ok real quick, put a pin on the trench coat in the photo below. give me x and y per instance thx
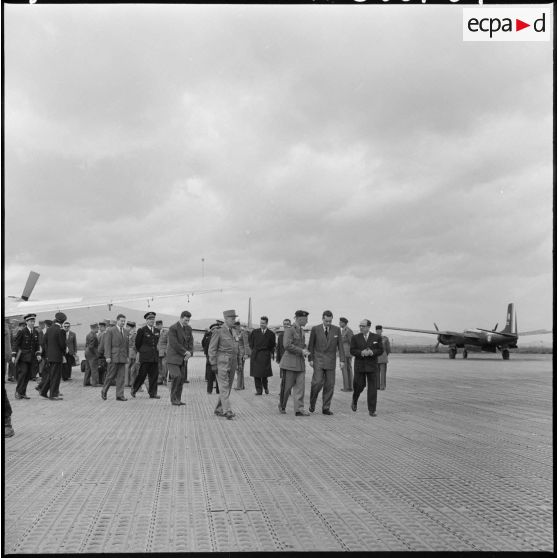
(262, 346)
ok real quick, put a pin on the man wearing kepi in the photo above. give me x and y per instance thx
(146, 345)
(293, 364)
(116, 353)
(366, 347)
(325, 341)
(180, 348)
(223, 356)
(26, 354)
(55, 349)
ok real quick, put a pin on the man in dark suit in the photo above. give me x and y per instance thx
(262, 345)
(146, 345)
(55, 349)
(279, 350)
(26, 354)
(91, 376)
(366, 347)
(71, 351)
(210, 376)
(324, 344)
(116, 354)
(180, 348)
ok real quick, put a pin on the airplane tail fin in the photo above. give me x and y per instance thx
(510, 320)
(30, 285)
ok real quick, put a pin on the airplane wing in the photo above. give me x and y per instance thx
(536, 332)
(430, 331)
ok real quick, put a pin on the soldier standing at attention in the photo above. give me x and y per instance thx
(147, 339)
(294, 365)
(26, 354)
(223, 356)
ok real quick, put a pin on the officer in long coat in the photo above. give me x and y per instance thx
(262, 346)
(26, 354)
(147, 339)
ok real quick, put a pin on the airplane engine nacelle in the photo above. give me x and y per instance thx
(444, 339)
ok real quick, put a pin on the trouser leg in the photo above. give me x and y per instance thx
(152, 374)
(358, 385)
(258, 385)
(372, 393)
(110, 376)
(329, 386)
(177, 374)
(6, 408)
(23, 375)
(298, 391)
(316, 385)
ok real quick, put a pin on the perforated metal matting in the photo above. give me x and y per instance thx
(459, 458)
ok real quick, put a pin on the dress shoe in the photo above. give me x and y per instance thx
(103, 395)
(25, 397)
(181, 403)
(258, 393)
(17, 395)
(219, 413)
(8, 432)
(43, 396)
(311, 408)
(281, 409)
(266, 391)
(373, 414)
(133, 394)
(177, 404)
(353, 406)
(327, 412)
(56, 398)
(121, 399)
(229, 415)
(302, 414)
(154, 397)
(186, 381)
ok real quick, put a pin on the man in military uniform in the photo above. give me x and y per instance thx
(294, 365)
(242, 355)
(162, 346)
(91, 376)
(26, 353)
(101, 350)
(347, 370)
(210, 376)
(223, 356)
(280, 350)
(147, 339)
(131, 368)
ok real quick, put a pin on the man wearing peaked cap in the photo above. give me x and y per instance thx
(55, 349)
(146, 341)
(223, 354)
(26, 354)
(91, 376)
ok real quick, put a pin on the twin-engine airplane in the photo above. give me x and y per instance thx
(19, 306)
(488, 340)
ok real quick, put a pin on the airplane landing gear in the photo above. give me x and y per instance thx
(506, 354)
(465, 354)
(452, 352)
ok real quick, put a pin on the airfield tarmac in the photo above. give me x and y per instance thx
(459, 458)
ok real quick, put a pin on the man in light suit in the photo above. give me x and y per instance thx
(116, 353)
(294, 365)
(324, 344)
(180, 348)
(366, 347)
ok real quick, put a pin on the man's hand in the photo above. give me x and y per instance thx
(13, 360)
(214, 368)
(187, 355)
(39, 358)
(108, 360)
(305, 352)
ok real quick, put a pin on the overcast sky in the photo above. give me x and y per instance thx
(358, 158)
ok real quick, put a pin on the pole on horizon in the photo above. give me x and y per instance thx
(250, 313)
(203, 270)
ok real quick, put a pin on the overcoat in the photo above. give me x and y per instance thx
(262, 346)
(55, 343)
(180, 340)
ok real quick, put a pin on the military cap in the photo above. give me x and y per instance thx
(379, 327)
(301, 313)
(219, 322)
(230, 314)
(48, 323)
(29, 317)
(131, 324)
(60, 317)
(159, 322)
(212, 326)
(344, 320)
(102, 322)
(148, 315)
(93, 325)
(22, 324)
(41, 322)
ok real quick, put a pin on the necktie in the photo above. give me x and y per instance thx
(327, 332)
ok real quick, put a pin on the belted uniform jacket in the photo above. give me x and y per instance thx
(294, 342)
(91, 345)
(180, 340)
(225, 346)
(146, 344)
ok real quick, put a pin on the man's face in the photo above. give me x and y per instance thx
(286, 324)
(229, 321)
(30, 324)
(379, 331)
(364, 327)
(263, 324)
(66, 327)
(185, 320)
(103, 327)
(150, 321)
(342, 324)
(303, 320)
(327, 320)
(121, 321)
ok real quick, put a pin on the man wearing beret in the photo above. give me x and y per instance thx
(26, 354)
(91, 376)
(223, 356)
(147, 339)
(180, 348)
(294, 365)
(55, 349)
